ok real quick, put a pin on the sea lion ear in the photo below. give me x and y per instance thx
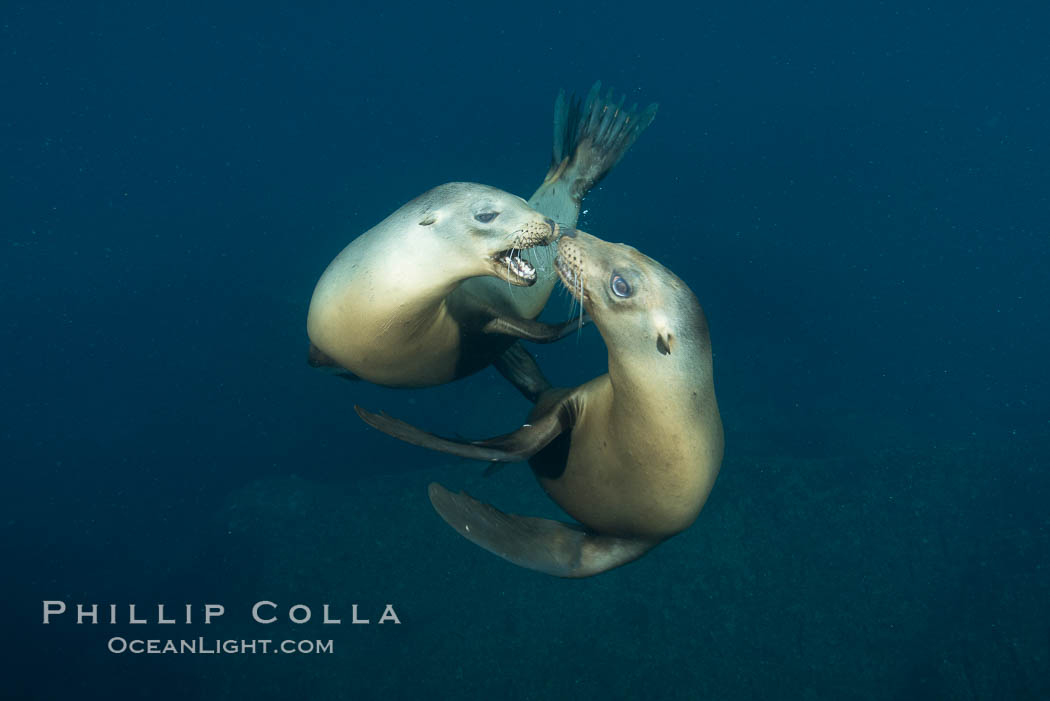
(664, 337)
(429, 219)
(664, 341)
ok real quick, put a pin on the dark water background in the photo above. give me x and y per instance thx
(856, 192)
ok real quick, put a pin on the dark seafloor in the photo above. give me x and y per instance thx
(856, 192)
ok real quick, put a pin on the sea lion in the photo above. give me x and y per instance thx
(423, 297)
(631, 455)
(384, 309)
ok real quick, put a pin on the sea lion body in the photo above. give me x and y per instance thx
(631, 455)
(630, 472)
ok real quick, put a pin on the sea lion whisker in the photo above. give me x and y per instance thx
(579, 327)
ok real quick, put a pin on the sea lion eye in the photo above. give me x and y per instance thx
(486, 217)
(620, 287)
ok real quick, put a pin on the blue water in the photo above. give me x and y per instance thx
(857, 193)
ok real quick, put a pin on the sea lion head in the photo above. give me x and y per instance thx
(489, 226)
(632, 299)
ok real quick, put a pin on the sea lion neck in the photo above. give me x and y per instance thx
(643, 375)
(431, 281)
(632, 379)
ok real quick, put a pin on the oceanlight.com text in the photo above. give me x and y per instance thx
(214, 646)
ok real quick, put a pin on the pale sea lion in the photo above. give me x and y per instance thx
(631, 455)
(384, 309)
(423, 297)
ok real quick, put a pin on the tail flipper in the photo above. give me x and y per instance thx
(551, 547)
(590, 138)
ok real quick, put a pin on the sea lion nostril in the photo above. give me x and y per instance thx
(551, 224)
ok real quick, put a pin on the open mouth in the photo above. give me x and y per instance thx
(519, 271)
(509, 263)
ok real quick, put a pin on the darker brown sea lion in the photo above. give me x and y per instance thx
(631, 455)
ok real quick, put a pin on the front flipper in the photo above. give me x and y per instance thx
(520, 369)
(535, 331)
(317, 358)
(512, 447)
(551, 547)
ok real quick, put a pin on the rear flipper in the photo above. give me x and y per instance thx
(521, 370)
(551, 547)
(590, 138)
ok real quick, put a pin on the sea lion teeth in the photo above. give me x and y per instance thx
(521, 267)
